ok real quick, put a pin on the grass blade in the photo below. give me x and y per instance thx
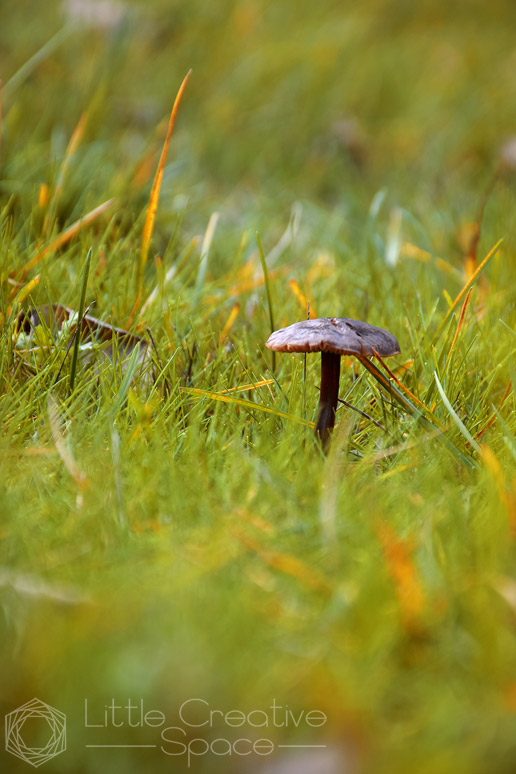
(67, 235)
(268, 289)
(408, 406)
(466, 287)
(455, 418)
(79, 319)
(225, 398)
(205, 251)
(124, 387)
(459, 325)
(36, 59)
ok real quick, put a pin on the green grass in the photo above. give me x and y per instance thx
(163, 543)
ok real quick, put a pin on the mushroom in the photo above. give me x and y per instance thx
(332, 337)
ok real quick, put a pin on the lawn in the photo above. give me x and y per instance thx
(183, 572)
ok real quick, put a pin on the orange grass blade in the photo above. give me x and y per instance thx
(470, 261)
(506, 496)
(287, 564)
(403, 572)
(459, 326)
(253, 284)
(466, 287)
(408, 406)
(256, 521)
(491, 462)
(403, 367)
(68, 234)
(229, 322)
(143, 170)
(413, 251)
(70, 151)
(156, 186)
(384, 381)
(400, 384)
(43, 196)
(303, 300)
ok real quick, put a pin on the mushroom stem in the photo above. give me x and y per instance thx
(330, 373)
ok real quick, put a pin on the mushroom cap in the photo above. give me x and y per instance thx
(340, 335)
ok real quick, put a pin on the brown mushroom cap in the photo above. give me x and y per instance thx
(339, 335)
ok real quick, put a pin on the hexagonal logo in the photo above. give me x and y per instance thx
(51, 726)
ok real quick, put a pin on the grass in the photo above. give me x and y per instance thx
(170, 529)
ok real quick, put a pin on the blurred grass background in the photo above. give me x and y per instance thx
(212, 551)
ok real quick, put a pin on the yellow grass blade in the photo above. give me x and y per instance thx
(68, 234)
(251, 386)
(466, 287)
(247, 404)
(27, 290)
(229, 322)
(22, 294)
(303, 300)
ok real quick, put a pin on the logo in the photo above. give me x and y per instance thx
(16, 726)
(202, 730)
